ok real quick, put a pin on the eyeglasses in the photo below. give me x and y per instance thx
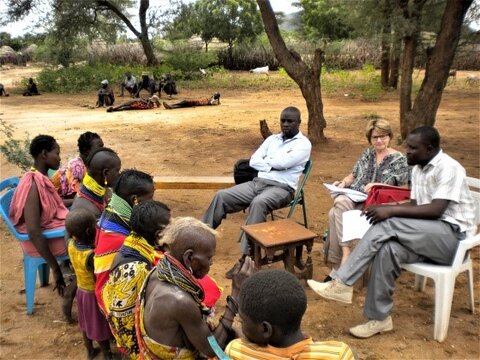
(381, 137)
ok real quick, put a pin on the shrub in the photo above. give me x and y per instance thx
(16, 152)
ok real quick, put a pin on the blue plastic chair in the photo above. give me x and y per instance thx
(9, 183)
(30, 264)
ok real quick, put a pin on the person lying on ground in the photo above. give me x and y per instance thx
(171, 314)
(213, 100)
(105, 95)
(271, 307)
(429, 228)
(137, 104)
(280, 162)
(31, 88)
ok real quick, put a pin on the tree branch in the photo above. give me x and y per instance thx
(111, 6)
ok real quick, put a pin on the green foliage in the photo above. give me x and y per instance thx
(80, 78)
(16, 152)
(186, 60)
(325, 19)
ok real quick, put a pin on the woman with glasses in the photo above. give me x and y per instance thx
(378, 164)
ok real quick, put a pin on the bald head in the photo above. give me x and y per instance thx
(103, 164)
(80, 224)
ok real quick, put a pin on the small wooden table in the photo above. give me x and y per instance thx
(281, 235)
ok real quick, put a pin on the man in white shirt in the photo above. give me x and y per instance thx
(280, 161)
(130, 84)
(439, 215)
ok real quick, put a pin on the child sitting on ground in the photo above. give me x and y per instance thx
(80, 224)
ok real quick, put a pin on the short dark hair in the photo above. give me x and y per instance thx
(294, 110)
(145, 216)
(428, 134)
(84, 141)
(40, 143)
(79, 220)
(275, 296)
(96, 151)
(132, 182)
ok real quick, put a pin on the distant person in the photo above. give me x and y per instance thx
(146, 83)
(137, 104)
(3, 92)
(31, 88)
(213, 100)
(271, 306)
(105, 95)
(130, 84)
(168, 85)
(80, 223)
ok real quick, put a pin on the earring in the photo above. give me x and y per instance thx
(190, 269)
(106, 182)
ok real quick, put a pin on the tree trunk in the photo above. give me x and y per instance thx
(440, 59)
(408, 60)
(307, 77)
(141, 35)
(395, 60)
(386, 48)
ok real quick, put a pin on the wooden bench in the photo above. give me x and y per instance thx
(193, 182)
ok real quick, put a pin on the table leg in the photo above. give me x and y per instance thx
(290, 259)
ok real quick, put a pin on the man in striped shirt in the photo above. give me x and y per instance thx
(271, 306)
(439, 215)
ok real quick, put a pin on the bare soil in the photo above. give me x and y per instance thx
(208, 141)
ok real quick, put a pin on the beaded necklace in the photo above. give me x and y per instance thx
(93, 192)
(135, 246)
(116, 217)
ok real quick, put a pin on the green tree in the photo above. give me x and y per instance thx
(326, 19)
(78, 16)
(306, 75)
(234, 21)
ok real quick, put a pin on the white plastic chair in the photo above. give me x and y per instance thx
(444, 276)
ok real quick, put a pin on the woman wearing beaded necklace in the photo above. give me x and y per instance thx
(131, 188)
(68, 178)
(36, 206)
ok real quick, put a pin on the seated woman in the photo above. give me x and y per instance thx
(378, 164)
(132, 187)
(68, 178)
(214, 100)
(130, 267)
(36, 206)
(31, 88)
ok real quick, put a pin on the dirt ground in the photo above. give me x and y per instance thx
(208, 141)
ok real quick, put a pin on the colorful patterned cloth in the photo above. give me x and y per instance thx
(393, 170)
(68, 178)
(135, 258)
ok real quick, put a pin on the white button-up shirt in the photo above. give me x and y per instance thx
(444, 178)
(282, 161)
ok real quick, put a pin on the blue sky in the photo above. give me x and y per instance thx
(21, 27)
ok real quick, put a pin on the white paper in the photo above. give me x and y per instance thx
(354, 195)
(355, 225)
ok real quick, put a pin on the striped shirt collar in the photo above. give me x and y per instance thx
(434, 161)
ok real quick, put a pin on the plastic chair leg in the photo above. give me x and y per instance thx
(420, 282)
(470, 288)
(44, 272)
(444, 287)
(30, 273)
